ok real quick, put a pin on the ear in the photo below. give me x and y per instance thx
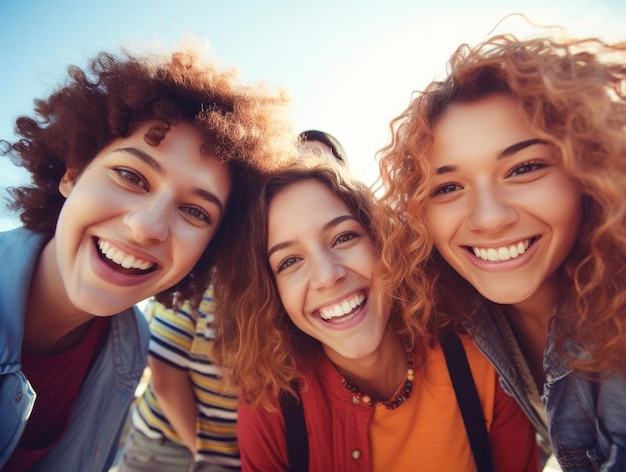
(68, 181)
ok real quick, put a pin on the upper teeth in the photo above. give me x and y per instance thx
(502, 253)
(342, 308)
(127, 261)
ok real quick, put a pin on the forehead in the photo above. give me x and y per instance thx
(489, 124)
(304, 204)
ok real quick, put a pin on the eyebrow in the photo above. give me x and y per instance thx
(506, 152)
(144, 156)
(330, 224)
(153, 164)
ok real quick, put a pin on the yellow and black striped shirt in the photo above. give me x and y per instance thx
(183, 339)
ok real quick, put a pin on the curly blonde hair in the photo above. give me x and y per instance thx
(248, 126)
(573, 93)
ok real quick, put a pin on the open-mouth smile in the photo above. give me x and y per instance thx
(503, 253)
(122, 261)
(345, 307)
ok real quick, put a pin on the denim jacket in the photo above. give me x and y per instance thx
(92, 435)
(586, 419)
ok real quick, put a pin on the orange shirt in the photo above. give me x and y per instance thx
(425, 433)
(430, 418)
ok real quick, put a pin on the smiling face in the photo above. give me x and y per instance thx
(137, 219)
(322, 259)
(503, 212)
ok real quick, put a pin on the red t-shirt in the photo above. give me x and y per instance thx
(57, 380)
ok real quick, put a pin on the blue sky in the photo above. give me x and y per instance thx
(349, 65)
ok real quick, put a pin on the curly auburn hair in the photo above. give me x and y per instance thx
(573, 93)
(261, 348)
(247, 126)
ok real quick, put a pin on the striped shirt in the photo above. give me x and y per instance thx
(183, 339)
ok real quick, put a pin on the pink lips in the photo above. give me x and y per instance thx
(502, 266)
(349, 320)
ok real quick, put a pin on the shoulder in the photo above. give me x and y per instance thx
(475, 358)
(261, 437)
(28, 241)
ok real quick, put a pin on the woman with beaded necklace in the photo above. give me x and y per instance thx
(306, 319)
(509, 176)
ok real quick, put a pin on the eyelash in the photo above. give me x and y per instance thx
(125, 173)
(203, 215)
(346, 234)
(450, 187)
(136, 179)
(284, 264)
(340, 239)
(441, 189)
(534, 165)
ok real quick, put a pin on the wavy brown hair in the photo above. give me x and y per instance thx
(247, 126)
(573, 93)
(255, 338)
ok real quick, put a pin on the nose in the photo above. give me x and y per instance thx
(491, 211)
(326, 270)
(149, 221)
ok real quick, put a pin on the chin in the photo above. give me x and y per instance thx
(504, 298)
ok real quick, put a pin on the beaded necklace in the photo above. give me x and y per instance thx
(399, 399)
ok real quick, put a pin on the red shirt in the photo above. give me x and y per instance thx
(57, 380)
(425, 433)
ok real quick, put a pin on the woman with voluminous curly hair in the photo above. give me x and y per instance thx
(135, 162)
(506, 181)
(303, 328)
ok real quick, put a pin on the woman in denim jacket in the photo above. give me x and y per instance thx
(139, 166)
(507, 180)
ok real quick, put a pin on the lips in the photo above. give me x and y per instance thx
(123, 261)
(345, 307)
(502, 253)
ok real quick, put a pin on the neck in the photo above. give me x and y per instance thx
(380, 373)
(52, 323)
(530, 321)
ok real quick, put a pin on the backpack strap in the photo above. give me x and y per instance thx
(467, 398)
(464, 389)
(295, 430)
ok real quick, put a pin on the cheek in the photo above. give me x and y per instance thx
(287, 289)
(438, 233)
(568, 221)
(566, 211)
(292, 294)
(188, 249)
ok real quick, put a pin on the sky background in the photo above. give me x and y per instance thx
(350, 66)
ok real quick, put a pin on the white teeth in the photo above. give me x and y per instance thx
(342, 308)
(127, 261)
(504, 254)
(501, 253)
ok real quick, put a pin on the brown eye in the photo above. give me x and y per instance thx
(198, 213)
(526, 167)
(287, 262)
(445, 188)
(131, 177)
(345, 237)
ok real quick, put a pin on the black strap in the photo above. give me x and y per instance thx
(467, 398)
(295, 431)
(464, 389)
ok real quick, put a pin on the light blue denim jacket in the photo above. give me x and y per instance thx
(91, 439)
(586, 419)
